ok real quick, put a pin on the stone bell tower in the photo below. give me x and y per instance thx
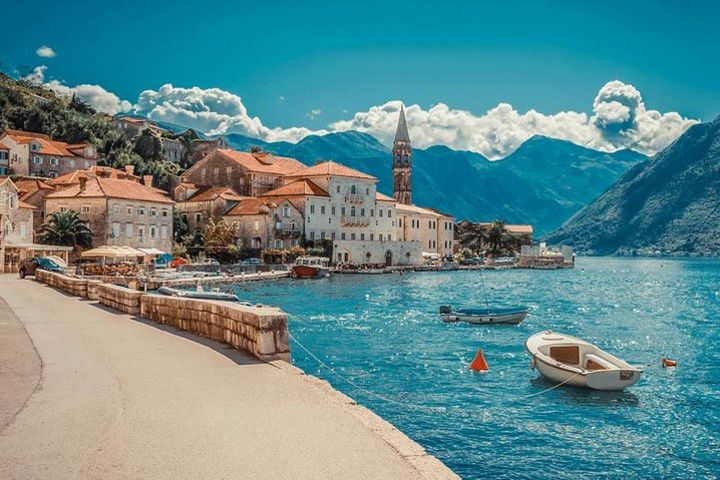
(402, 162)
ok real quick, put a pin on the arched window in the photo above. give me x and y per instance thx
(352, 212)
(352, 189)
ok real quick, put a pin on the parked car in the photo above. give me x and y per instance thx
(30, 265)
(472, 261)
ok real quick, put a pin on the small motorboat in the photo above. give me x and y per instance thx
(485, 315)
(199, 294)
(311, 267)
(571, 361)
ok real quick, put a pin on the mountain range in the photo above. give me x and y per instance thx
(543, 183)
(667, 205)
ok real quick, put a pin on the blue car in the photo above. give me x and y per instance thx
(30, 265)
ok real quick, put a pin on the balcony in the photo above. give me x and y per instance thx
(287, 230)
(355, 221)
(354, 198)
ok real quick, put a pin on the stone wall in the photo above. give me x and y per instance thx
(260, 331)
(71, 285)
(120, 298)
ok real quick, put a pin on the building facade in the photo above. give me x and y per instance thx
(36, 154)
(263, 223)
(118, 212)
(248, 173)
(197, 205)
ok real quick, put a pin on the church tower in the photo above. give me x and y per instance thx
(402, 162)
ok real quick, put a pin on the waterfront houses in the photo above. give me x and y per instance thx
(119, 211)
(36, 154)
(248, 173)
(33, 191)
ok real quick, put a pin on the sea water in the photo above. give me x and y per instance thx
(383, 333)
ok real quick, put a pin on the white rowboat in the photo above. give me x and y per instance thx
(512, 316)
(571, 361)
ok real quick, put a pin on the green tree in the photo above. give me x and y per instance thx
(65, 228)
(472, 236)
(180, 227)
(148, 145)
(220, 234)
(497, 236)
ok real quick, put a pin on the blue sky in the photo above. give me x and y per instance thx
(286, 59)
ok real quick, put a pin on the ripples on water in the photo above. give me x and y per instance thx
(383, 332)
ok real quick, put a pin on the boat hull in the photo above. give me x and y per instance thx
(606, 380)
(513, 318)
(308, 271)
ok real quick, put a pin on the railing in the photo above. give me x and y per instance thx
(355, 221)
(354, 198)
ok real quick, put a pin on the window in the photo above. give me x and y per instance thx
(352, 236)
(129, 210)
(85, 209)
(312, 209)
(141, 210)
(53, 161)
(332, 235)
(367, 191)
(3, 155)
(322, 210)
(153, 212)
(362, 212)
(312, 235)
(372, 212)
(389, 237)
(198, 217)
(153, 231)
(342, 211)
(141, 233)
(116, 229)
(362, 236)
(228, 170)
(322, 235)
(37, 160)
(116, 210)
(372, 237)
(164, 212)
(163, 232)
(33, 146)
(352, 212)
(332, 210)
(389, 213)
(286, 211)
(342, 236)
(352, 190)
(338, 189)
(129, 230)
(380, 212)
(72, 163)
(380, 236)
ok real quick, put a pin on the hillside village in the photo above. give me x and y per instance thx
(271, 202)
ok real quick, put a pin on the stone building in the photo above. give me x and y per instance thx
(118, 211)
(16, 230)
(173, 150)
(263, 223)
(36, 154)
(131, 127)
(33, 191)
(402, 162)
(73, 178)
(199, 149)
(435, 231)
(198, 205)
(248, 173)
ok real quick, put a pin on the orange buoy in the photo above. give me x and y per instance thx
(666, 362)
(479, 364)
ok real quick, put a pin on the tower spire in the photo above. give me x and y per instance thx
(402, 162)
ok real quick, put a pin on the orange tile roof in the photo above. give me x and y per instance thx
(21, 136)
(259, 162)
(61, 149)
(22, 204)
(250, 206)
(329, 168)
(93, 171)
(3, 146)
(383, 198)
(99, 187)
(205, 194)
(28, 186)
(523, 229)
(301, 187)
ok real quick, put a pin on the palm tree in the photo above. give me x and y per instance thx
(496, 235)
(65, 228)
(472, 236)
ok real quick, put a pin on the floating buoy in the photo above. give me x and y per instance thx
(666, 362)
(479, 364)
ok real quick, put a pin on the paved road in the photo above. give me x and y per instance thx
(120, 398)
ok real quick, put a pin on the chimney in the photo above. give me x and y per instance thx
(83, 183)
(130, 169)
(147, 180)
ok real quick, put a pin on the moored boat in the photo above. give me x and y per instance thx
(199, 294)
(571, 361)
(311, 267)
(509, 315)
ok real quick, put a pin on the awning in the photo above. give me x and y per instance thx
(431, 255)
(152, 251)
(106, 251)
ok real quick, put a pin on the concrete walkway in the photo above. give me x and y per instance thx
(122, 398)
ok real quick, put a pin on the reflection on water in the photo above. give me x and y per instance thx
(383, 332)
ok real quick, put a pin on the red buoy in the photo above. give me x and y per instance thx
(666, 362)
(479, 364)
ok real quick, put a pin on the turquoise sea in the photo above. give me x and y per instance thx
(383, 333)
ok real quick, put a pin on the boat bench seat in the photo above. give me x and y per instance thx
(593, 362)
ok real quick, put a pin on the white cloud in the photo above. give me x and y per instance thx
(313, 114)
(619, 120)
(212, 111)
(45, 52)
(94, 95)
